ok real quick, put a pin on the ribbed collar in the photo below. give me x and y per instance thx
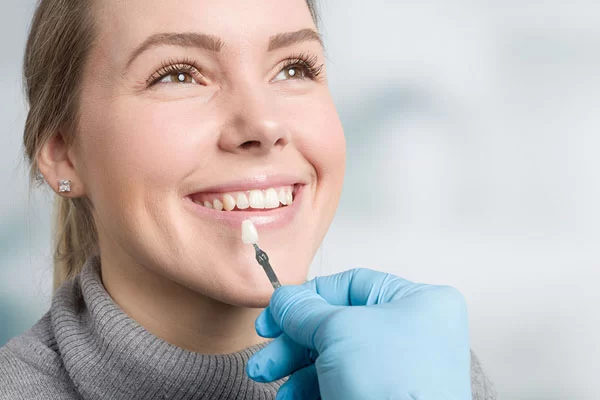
(110, 356)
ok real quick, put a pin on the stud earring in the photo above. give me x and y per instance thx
(64, 186)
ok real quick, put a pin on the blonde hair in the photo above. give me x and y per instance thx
(61, 35)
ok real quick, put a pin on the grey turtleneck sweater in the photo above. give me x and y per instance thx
(86, 347)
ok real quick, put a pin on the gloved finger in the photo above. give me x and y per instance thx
(302, 384)
(361, 287)
(266, 326)
(349, 288)
(278, 359)
(299, 313)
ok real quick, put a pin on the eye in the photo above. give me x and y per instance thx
(179, 73)
(291, 72)
(299, 67)
(177, 77)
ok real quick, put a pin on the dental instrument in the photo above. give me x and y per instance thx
(250, 236)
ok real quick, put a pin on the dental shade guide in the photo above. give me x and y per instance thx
(250, 236)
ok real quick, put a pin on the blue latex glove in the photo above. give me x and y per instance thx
(374, 335)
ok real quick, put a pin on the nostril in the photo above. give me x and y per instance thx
(249, 144)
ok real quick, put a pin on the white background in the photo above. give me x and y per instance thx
(472, 161)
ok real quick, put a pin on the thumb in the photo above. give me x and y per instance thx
(299, 313)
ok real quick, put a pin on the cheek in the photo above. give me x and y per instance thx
(152, 143)
(319, 137)
(321, 140)
(135, 159)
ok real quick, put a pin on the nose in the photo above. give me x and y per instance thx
(253, 126)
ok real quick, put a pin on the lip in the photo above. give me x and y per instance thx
(266, 219)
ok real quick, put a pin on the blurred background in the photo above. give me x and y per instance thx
(472, 132)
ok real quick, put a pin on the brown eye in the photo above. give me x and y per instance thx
(172, 72)
(291, 72)
(294, 72)
(178, 77)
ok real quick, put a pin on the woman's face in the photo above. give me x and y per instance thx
(203, 101)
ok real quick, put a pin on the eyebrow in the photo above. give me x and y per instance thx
(188, 39)
(214, 44)
(289, 38)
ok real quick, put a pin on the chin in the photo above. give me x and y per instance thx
(248, 297)
(247, 285)
(255, 290)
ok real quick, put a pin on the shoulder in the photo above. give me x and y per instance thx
(481, 386)
(31, 367)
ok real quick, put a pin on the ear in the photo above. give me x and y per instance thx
(55, 162)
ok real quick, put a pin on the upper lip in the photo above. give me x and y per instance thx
(256, 182)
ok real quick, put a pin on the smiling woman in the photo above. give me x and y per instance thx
(61, 111)
(159, 140)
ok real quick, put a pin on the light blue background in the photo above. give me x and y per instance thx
(472, 133)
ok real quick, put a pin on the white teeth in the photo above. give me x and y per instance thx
(271, 198)
(228, 202)
(282, 197)
(242, 201)
(257, 199)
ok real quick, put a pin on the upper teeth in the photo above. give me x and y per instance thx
(256, 199)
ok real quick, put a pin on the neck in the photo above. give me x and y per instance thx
(177, 314)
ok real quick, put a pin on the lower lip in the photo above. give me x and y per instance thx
(273, 218)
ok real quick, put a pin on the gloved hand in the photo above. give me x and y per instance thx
(374, 336)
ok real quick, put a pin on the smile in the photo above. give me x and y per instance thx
(255, 199)
(266, 207)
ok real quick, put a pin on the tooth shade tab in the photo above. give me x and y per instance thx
(249, 232)
(255, 199)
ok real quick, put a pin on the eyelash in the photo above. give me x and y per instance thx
(308, 62)
(174, 67)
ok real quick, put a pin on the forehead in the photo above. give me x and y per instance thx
(124, 24)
